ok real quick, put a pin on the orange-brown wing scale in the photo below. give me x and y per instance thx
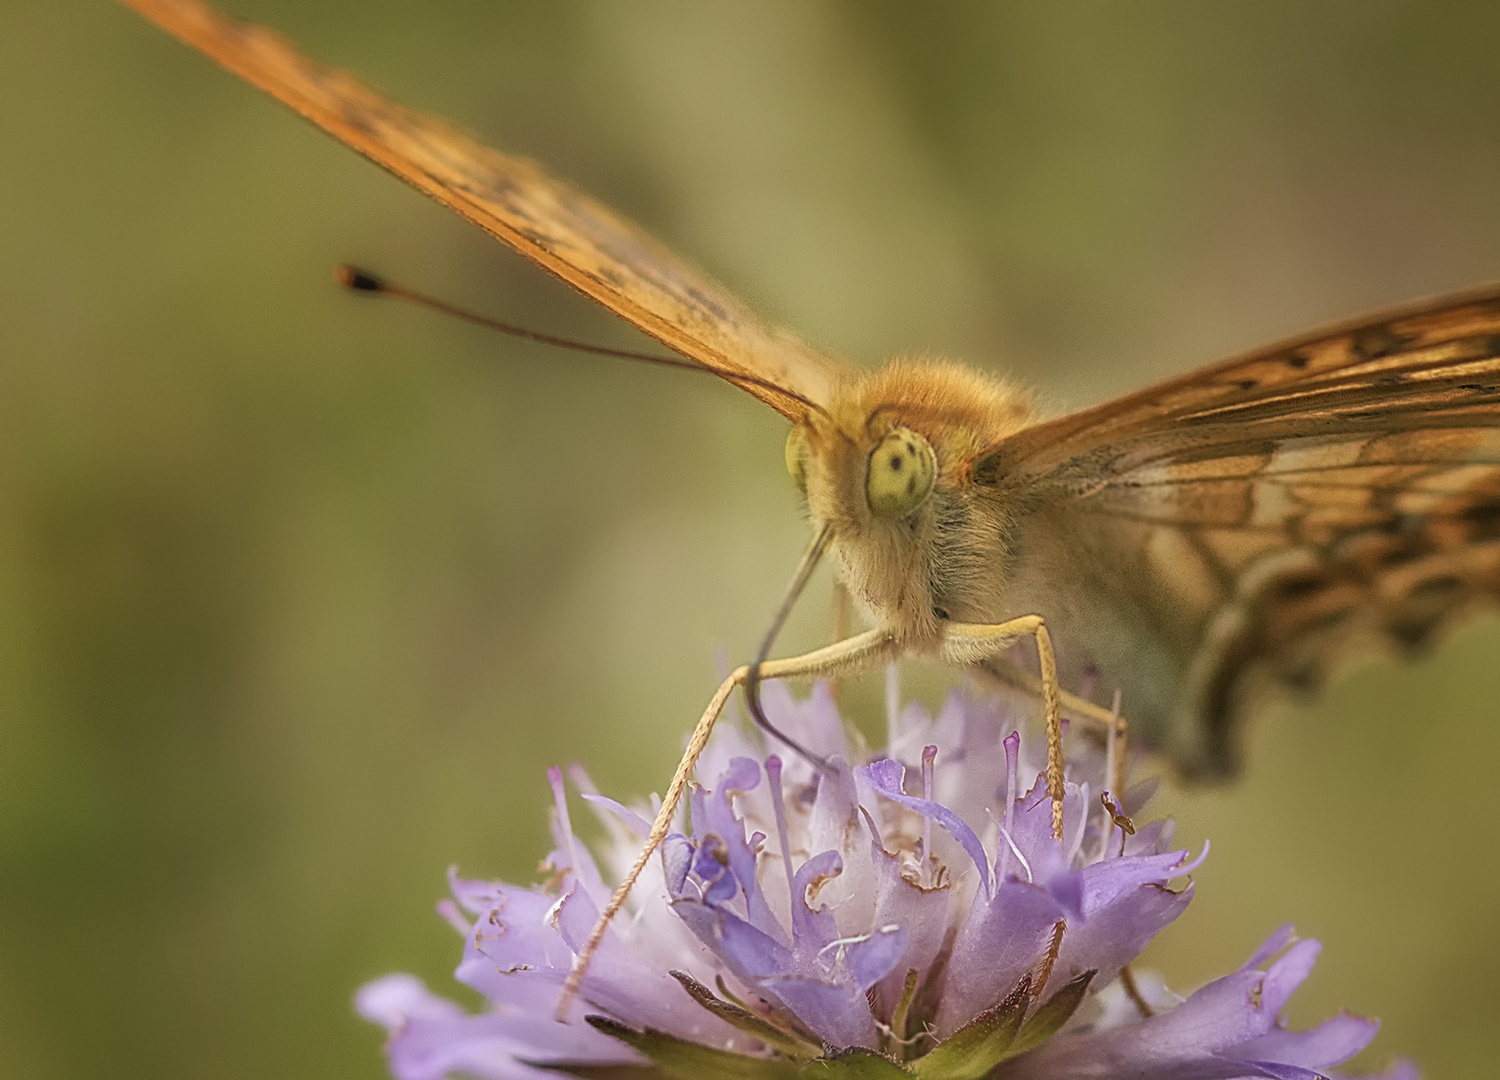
(570, 235)
(1251, 524)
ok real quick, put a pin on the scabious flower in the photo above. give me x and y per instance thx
(909, 914)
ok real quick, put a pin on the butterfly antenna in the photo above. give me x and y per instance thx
(356, 280)
(810, 559)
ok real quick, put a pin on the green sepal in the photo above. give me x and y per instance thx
(677, 1059)
(855, 1063)
(1053, 1015)
(757, 1027)
(683, 1060)
(981, 1044)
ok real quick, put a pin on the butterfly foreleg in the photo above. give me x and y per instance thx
(848, 657)
(974, 643)
(1018, 678)
(1115, 726)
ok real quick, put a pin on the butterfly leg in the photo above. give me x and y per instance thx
(847, 657)
(1116, 727)
(1019, 678)
(973, 643)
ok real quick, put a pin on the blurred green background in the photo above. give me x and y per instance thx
(299, 594)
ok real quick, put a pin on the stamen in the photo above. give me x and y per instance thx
(1077, 846)
(903, 1010)
(1012, 746)
(778, 807)
(839, 943)
(929, 756)
(1114, 816)
(618, 815)
(1119, 744)
(450, 913)
(1133, 992)
(1005, 835)
(564, 822)
(1188, 868)
(843, 943)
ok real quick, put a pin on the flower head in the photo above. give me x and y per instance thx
(909, 913)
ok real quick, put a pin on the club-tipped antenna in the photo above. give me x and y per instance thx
(363, 281)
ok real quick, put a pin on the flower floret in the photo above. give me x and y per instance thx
(903, 913)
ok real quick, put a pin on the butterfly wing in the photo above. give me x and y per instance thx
(566, 233)
(1254, 522)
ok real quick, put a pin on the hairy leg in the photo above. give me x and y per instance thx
(846, 657)
(959, 643)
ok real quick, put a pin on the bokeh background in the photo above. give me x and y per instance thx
(299, 594)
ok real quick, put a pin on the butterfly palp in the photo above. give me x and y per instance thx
(901, 471)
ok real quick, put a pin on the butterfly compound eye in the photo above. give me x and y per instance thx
(900, 475)
(796, 457)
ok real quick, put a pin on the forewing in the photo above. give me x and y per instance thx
(1253, 523)
(561, 230)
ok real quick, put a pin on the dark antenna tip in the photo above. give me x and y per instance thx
(352, 277)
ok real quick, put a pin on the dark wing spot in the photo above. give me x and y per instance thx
(1443, 585)
(1304, 625)
(1484, 517)
(1406, 553)
(1298, 360)
(1424, 609)
(1302, 679)
(1375, 342)
(911, 484)
(1410, 634)
(1407, 524)
(1249, 384)
(896, 462)
(1293, 588)
(1414, 631)
(707, 303)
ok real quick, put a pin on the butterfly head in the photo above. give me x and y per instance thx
(885, 467)
(856, 478)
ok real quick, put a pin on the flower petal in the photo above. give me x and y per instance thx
(887, 777)
(1332, 1042)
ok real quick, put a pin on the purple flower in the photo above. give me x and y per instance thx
(908, 915)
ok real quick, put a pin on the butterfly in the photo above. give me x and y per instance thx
(1244, 526)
